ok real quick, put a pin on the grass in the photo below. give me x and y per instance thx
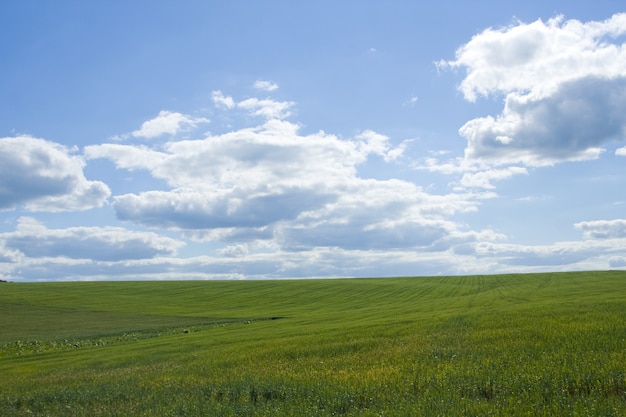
(504, 345)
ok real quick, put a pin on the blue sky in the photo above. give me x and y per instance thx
(279, 139)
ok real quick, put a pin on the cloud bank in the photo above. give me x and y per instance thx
(269, 182)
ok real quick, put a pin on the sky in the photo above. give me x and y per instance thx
(279, 139)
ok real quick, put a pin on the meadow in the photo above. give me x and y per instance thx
(550, 344)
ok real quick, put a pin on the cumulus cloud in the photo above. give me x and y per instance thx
(265, 85)
(203, 208)
(538, 57)
(269, 182)
(251, 178)
(380, 215)
(290, 204)
(126, 156)
(167, 123)
(270, 156)
(573, 123)
(45, 176)
(370, 142)
(603, 229)
(34, 240)
(621, 151)
(563, 83)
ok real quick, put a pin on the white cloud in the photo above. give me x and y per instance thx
(370, 142)
(473, 175)
(449, 167)
(571, 124)
(537, 58)
(203, 208)
(235, 251)
(272, 156)
(621, 151)
(126, 156)
(379, 215)
(265, 85)
(287, 204)
(269, 109)
(603, 229)
(8, 255)
(271, 183)
(483, 179)
(219, 99)
(564, 84)
(167, 123)
(45, 176)
(565, 256)
(234, 263)
(35, 240)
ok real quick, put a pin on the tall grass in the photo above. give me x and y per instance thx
(508, 345)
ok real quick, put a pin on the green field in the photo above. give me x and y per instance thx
(504, 345)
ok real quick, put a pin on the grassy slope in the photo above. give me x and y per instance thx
(542, 344)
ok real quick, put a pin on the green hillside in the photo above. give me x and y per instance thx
(508, 345)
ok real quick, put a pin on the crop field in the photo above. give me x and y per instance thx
(503, 345)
